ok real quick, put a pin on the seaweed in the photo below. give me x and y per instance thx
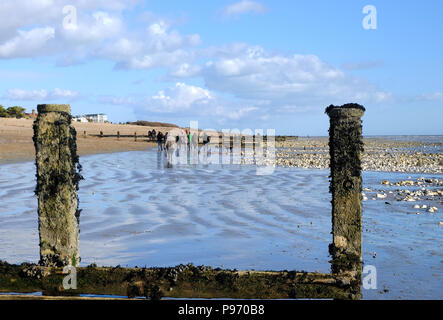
(58, 174)
(346, 147)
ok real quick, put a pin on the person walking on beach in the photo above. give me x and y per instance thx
(193, 150)
(189, 136)
(164, 140)
(194, 141)
(206, 138)
(160, 141)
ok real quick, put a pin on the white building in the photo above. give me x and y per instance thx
(80, 119)
(98, 118)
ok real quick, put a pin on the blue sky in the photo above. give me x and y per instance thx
(228, 63)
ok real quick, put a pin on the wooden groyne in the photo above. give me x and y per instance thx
(346, 148)
(183, 281)
(118, 135)
(57, 184)
(58, 175)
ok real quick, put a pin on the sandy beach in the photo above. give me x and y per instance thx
(381, 154)
(16, 139)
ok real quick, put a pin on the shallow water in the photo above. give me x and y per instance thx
(136, 212)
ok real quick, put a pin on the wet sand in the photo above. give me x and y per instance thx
(16, 139)
(136, 212)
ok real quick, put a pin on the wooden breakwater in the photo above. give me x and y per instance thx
(57, 175)
(344, 281)
(150, 138)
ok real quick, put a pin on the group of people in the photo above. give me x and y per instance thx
(177, 138)
(179, 143)
(161, 140)
(152, 135)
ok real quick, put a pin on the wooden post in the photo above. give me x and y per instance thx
(57, 184)
(101, 134)
(118, 134)
(178, 282)
(135, 136)
(346, 147)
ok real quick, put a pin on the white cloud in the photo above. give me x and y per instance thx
(188, 102)
(236, 114)
(184, 70)
(436, 96)
(244, 6)
(362, 65)
(26, 43)
(17, 94)
(251, 80)
(158, 46)
(19, 14)
(179, 98)
(248, 81)
(33, 28)
(40, 95)
(280, 80)
(93, 28)
(65, 94)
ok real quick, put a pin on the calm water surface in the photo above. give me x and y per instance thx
(136, 212)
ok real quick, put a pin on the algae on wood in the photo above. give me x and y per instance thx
(58, 175)
(183, 281)
(346, 147)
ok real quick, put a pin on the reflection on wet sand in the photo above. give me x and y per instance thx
(138, 212)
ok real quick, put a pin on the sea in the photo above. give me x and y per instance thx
(136, 211)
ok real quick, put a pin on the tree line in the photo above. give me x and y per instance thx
(12, 112)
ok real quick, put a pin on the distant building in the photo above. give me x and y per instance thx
(80, 119)
(97, 118)
(100, 117)
(31, 115)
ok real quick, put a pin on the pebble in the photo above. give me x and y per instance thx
(379, 155)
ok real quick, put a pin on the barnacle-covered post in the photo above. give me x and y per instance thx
(346, 147)
(57, 185)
